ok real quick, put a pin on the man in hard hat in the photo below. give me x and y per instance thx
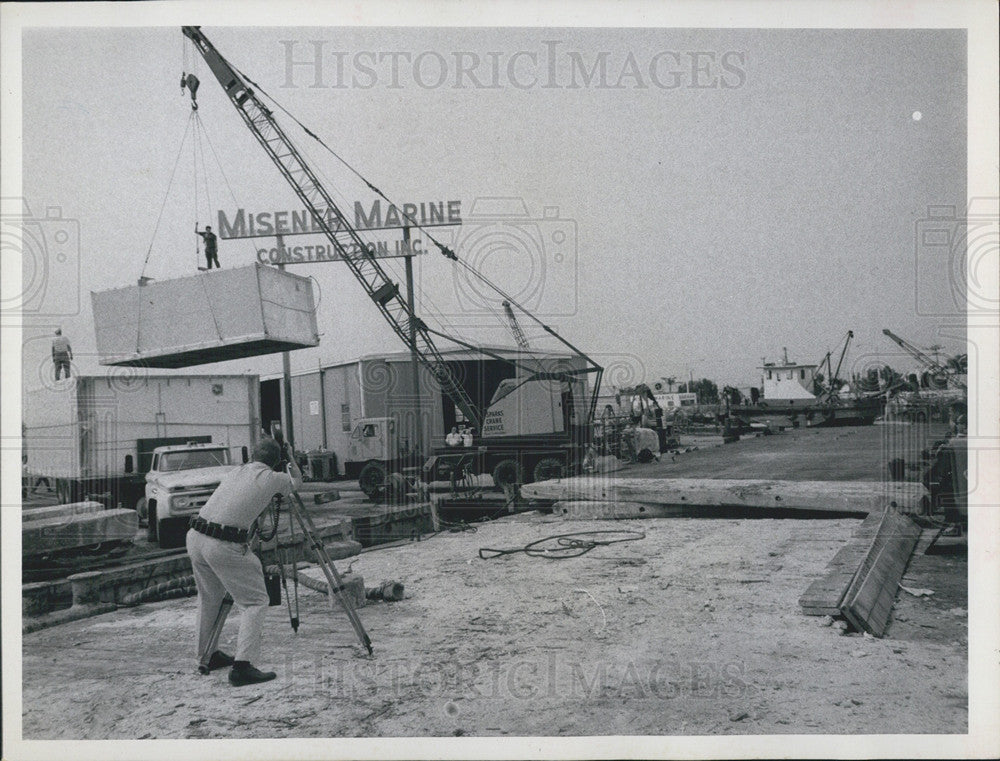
(211, 246)
(221, 559)
(62, 353)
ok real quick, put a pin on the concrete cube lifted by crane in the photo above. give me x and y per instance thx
(209, 317)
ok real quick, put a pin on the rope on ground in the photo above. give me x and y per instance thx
(571, 545)
(182, 586)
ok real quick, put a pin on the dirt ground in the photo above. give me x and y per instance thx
(694, 629)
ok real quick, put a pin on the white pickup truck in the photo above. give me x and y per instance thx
(180, 480)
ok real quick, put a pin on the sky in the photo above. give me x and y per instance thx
(701, 228)
(717, 195)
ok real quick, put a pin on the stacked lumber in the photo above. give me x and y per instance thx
(63, 528)
(858, 497)
(825, 594)
(862, 579)
(868, 601)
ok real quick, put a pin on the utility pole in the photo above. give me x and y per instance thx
(418, 430)
(286, 370)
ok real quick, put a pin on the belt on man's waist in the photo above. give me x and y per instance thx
(219, 531)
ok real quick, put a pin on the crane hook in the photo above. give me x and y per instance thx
(191, 82)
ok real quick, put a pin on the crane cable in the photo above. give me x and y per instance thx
(166, 195)
(222, 171)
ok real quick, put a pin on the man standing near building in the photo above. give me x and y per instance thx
(211, 246)
(221, 560)
(62, 353)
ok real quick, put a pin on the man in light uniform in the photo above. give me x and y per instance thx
(62, 353)
(222, 561)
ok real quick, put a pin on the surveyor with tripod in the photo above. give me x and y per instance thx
(219, 546)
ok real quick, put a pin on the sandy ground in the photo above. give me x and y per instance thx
(694, 629)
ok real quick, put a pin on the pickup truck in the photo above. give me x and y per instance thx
(180, 480)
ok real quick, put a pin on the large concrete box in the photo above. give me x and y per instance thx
(210, 317)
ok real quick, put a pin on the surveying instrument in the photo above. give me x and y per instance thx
(335, 584)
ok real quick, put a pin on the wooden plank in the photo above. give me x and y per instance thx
(585, 510)
(868, 601)
(824, 595)
(859, 497)
(66, 512)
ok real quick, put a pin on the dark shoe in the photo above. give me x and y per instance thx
(241, 675)
(218, 660)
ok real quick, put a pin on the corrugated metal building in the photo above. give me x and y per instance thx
(327, 401)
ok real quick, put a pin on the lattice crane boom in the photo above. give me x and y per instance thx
(935, 367)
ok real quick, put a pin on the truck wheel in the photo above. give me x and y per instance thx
(372, 479)
(549, 468)
(396, 488)
(152, 527)
(140, 508)
(507, 473)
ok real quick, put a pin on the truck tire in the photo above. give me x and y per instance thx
(140, 508)
(371, 479)
(507, 473)
(152, 527)
(549, 468)
(396, 488)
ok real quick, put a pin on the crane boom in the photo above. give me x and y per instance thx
(926, 361)
(515, 328)
(843, 353)
(345, 239)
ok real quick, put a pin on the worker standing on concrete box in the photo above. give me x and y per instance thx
(211, 246)
(62, 353)
(221, 560)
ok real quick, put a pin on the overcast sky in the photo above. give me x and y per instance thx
(715, 195)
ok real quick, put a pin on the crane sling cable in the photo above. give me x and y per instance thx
(194, 176)
(198, 133)
(222, 171)
(445, 250)
(156, 227)
(166, 195)
(362, 263)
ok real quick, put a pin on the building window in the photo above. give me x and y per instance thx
(769, 375)
(791, 374)
(345, 417)
(802, 374)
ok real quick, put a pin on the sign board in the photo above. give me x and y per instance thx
(376, 216)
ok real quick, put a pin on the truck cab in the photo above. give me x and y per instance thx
(372, 439)
(375, 453)
(180, 480)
